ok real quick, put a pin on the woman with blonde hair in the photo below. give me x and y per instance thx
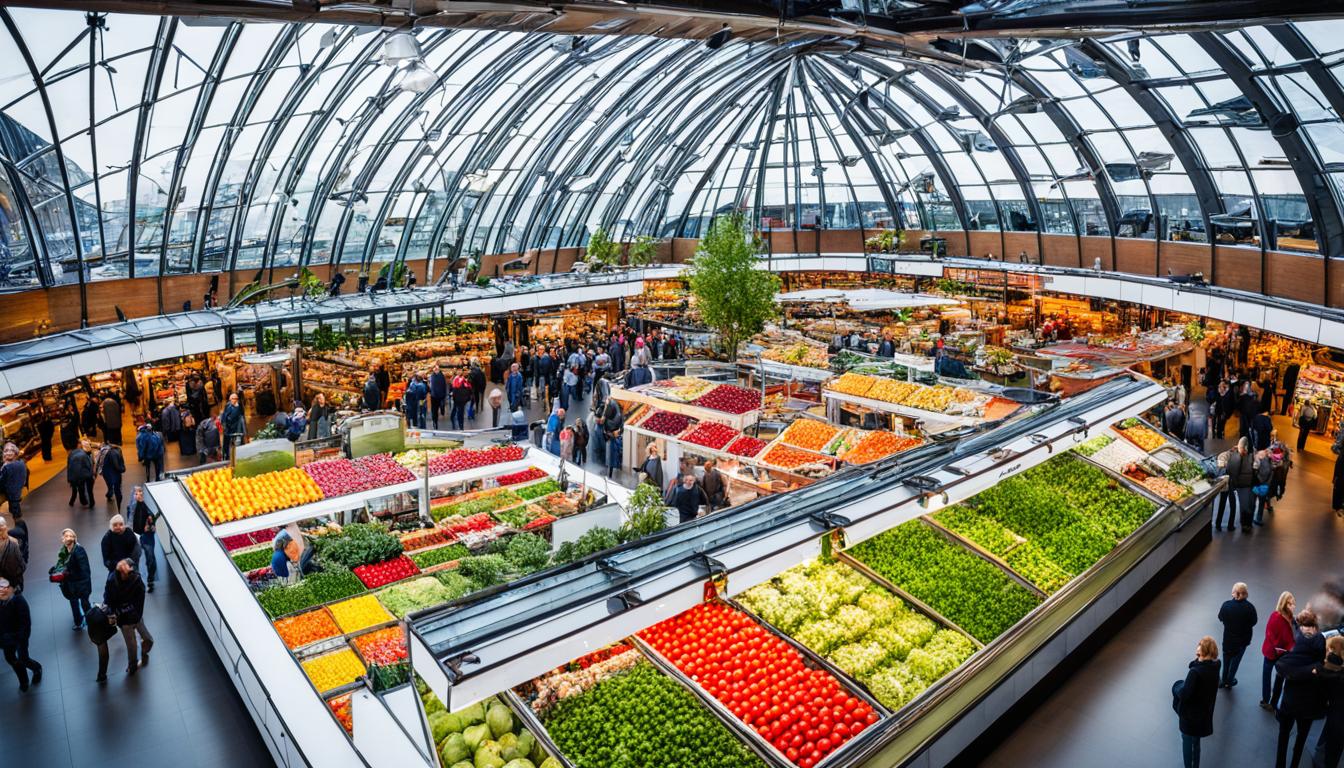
(1194, 698)
(72, 572)
(1279, 631)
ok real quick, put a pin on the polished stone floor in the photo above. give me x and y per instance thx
(1115, 711)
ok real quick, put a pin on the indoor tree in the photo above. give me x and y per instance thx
(643, 251)
(735, 298)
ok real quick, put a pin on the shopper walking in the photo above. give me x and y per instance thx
(384, 382)
(170, 422)
(371, 399)
(1337, 491)
(1194, 697)
(461, 393)
(1306, 423)
(1261, 429)
(1241, 479)
(1196, 430)
(319, 418)
(476, 378)
(414, 400)
(1173, 419)
(1279, 640)
(233, 428)
(1264, 476)
(149, 452)
(91, 417)
(70, 429)
(16, 625)
(124, 594)
(186, 437)
(12, 561)
(1303, 694)
(111, 419)
(79, 474)
(142, 524)
(613, 425)
(119, 543)
(13, 479)
(1239, 619)
(687, 498)
(75, 577)
(1228, 462)
(102, 626)
(513, 387)
(438, 394)
(651, 471)
(1281, 459)
(207, 436)
(45, 430)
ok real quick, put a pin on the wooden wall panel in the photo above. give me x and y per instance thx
(1237, 268)
(840, 241)
(1061, 250)
(781, 241)
(983, 244)
(910, 239)
(1017, 243)
(683, 248)
(958, 242)
(1184, 258)
(1098, 248)
(1137, 257)
(1297, 276)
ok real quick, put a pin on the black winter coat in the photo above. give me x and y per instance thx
(126, 597)
(1195, 699)
(70, 432)
(96, 620)
(1303, 691)
(16, 622)
(78, 467)
(1239, 619)
(78, 580)
(117, 548)
(1332, 681)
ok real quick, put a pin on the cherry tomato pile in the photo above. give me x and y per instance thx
(386, 572)
(746, 445)
(711, 434)
(805, 713)
(666, 423)
(513, 478)
(730, 399)
(458, 527)
(383, 646)
(460, 459)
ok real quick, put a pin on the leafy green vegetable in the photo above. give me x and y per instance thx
(640, 717)
(1185, 471)
(527, 552)
(439, 555)
(280, 600)
(252, 559)
(407, 596)
(484, 570)
(972, 593)
(357, 544)
(333, 584)
(1089, 447)
(537, 490)
(648, 514)
(592, 542)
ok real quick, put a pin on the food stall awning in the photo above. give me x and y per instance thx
(812, 294)
(868, 299)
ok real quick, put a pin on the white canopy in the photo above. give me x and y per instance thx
(813, 294)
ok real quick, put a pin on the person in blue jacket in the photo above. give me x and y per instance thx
(438, 394)
(232, 423)
(414, 399)
(149, 451)
(640, 374)
(513, 387)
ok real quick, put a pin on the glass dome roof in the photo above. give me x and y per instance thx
(137, 145)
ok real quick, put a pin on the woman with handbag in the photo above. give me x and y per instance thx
(72, 572)
(1193, 699)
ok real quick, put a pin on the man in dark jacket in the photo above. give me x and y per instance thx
(1238, 618)
(1224, 405)
(207, 439)
(12, 562)
(231, 423)
(688, 498)
(543, 366)
(16, 625)
(1289, 386)
(640, 374)
(142, 524)
(372, 398)
(438, 394)
(1330, 746)
(1194, 699)
(513, 387)
(90, 417)
(613, 425)
(124, 595)
(384, 380)
(13, 479)
(1261, 427)
(149, 452)
(170, 421)
(414, 400)
(1248, 405)
(118, 543)
(79, 474)
(476, 377)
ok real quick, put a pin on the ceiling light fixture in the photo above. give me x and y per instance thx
(418, 78)
(399, 47)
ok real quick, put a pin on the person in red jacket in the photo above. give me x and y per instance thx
(1278, 641)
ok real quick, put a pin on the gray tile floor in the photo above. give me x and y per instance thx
(1115, 711)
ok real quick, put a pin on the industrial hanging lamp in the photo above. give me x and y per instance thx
(418, 78)
(399, 47)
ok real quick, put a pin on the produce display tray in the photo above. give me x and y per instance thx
(920, 605)
(901, 410)
(984, 554)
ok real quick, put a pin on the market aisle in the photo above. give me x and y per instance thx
(180, 710)
(1116, 709)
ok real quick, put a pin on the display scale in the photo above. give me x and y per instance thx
(514, 633)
